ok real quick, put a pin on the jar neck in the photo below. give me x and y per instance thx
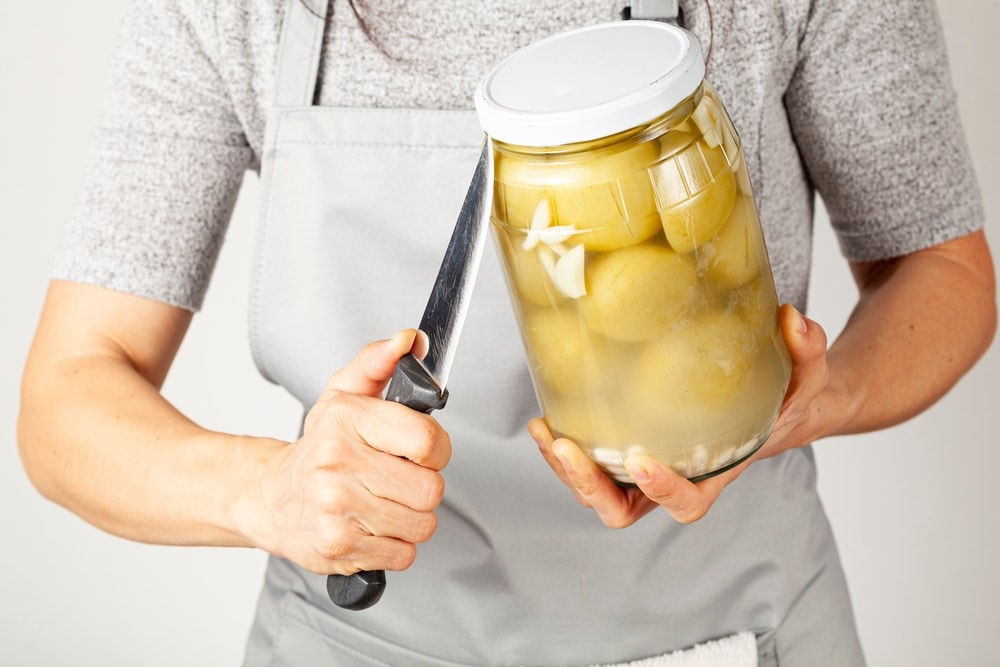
(656, 127)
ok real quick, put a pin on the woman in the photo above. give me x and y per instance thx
(336, 113)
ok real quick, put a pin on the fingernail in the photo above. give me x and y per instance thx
(637, 472)
(563, 458)
(801, 325)
(421, 345)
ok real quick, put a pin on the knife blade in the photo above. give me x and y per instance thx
(421, 384)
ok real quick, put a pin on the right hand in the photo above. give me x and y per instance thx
(359, 489)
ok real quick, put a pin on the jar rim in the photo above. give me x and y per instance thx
(589, 83)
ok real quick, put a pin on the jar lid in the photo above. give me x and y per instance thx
(589, 83)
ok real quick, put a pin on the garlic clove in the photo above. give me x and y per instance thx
(541, 219)
(548, 260)
(568, 275)
(558, 234)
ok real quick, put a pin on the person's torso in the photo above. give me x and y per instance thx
(358, 207)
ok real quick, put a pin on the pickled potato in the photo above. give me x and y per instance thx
(564, 358)
(705, 362)
(676, 140)
(638, 292)
(610, 194)
(693, 221)
(723, 351)
(527, 272)
(757, 305)
(589, 423)
(735, 256)
(515, 204)
(599, 428)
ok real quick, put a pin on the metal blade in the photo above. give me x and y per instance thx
(449, 300)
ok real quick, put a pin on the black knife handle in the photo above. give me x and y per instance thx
(357, 591)
(412, 386)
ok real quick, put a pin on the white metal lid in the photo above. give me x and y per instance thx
(589, 83)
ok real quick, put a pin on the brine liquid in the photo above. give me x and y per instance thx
(642, 286)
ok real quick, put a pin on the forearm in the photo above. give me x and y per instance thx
(99, 439)
(356, 492)
(920, 323)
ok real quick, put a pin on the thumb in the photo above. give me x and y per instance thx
(804, 338)
(370, 371)
(806, 342)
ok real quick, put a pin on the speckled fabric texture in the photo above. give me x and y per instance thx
(851, 98)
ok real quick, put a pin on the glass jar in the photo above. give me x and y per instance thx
(632, 250)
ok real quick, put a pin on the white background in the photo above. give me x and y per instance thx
(916, 509)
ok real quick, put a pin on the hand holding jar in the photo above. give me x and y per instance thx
(657, 484)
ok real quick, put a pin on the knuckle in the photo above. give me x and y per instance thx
(339, 408)
(431, 492)
(424, 527)
(334, 500)
(337, 546)
(689, 515)
(403, 558)
(588, 486)
(616, 521)
(426, 439)
(330, 399)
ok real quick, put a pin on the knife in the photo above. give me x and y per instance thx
(421, 384)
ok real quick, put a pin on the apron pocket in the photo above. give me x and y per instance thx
(311, 636)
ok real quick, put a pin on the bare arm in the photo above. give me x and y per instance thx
(920, 323)
(96, 436)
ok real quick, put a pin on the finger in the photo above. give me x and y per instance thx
(402, 481)
(353, 518)
(352, 534)
(389, 519)
(617, 507)
(807, 343)
(370, 371)
(421, 345)
(543, 437)
(684, 500)
(367, 553)
(395, 429)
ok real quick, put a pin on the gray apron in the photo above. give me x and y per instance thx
(357, 207)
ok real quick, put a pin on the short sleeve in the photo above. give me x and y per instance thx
(874, 114)
(168, 161)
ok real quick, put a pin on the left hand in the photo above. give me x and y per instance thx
(657, 484)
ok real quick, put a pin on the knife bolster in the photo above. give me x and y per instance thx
(413, 386)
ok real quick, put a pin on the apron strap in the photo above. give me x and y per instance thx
(653, 10)
(299, 52)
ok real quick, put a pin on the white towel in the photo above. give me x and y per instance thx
(736, 651)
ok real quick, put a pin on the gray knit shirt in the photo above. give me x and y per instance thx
(851, 98)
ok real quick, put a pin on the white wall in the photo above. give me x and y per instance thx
(916, 509)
